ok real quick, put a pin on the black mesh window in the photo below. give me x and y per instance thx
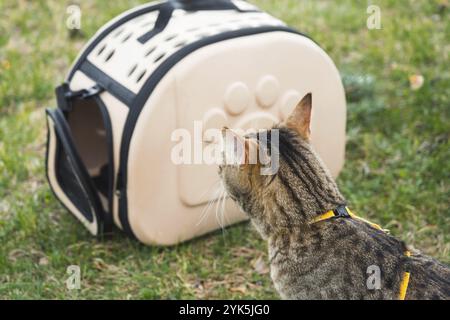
(70, 183)
(91, 134)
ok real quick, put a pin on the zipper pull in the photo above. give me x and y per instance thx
(84, 93)
(64, 95)
(119, 185)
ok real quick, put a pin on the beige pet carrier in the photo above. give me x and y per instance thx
(160, 67)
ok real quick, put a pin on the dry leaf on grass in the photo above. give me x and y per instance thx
(244, 252)
(43, 261)
(241, 289)
(99, 264)
(16, 254)
(416, 81)
(33, 254)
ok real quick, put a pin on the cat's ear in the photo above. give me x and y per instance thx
(300, 118)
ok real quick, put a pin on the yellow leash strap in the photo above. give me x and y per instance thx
(405, 281)
(376, 226)
(343, 211)
(325, 216)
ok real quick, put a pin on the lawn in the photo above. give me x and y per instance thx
(397, 169)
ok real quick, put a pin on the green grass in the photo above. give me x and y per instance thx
(397, 170)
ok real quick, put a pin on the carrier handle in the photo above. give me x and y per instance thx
(167, 8)
(197, 5)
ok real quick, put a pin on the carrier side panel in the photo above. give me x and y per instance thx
(256, 86)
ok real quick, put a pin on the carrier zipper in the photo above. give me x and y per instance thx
(119, 185)
(108, 216)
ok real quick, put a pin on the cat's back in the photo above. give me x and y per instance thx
(332, 261)
(429, 278)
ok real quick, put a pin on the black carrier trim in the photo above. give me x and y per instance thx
(109, 84)
(91, 46)
(146, 91)
(108, 217)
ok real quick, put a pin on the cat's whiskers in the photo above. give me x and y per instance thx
(216, 189)
(224, 200)
(219, 196)
(217, 209)
(220, 207)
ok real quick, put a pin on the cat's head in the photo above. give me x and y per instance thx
(290, 190)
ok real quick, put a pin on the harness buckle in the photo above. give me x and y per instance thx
(342, 212)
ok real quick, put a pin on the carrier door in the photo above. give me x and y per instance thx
(80, 161)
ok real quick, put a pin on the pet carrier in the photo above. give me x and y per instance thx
(160, 67)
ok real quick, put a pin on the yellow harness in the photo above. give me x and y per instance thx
(343, 211)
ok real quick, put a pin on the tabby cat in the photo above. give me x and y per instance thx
(312, 257)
